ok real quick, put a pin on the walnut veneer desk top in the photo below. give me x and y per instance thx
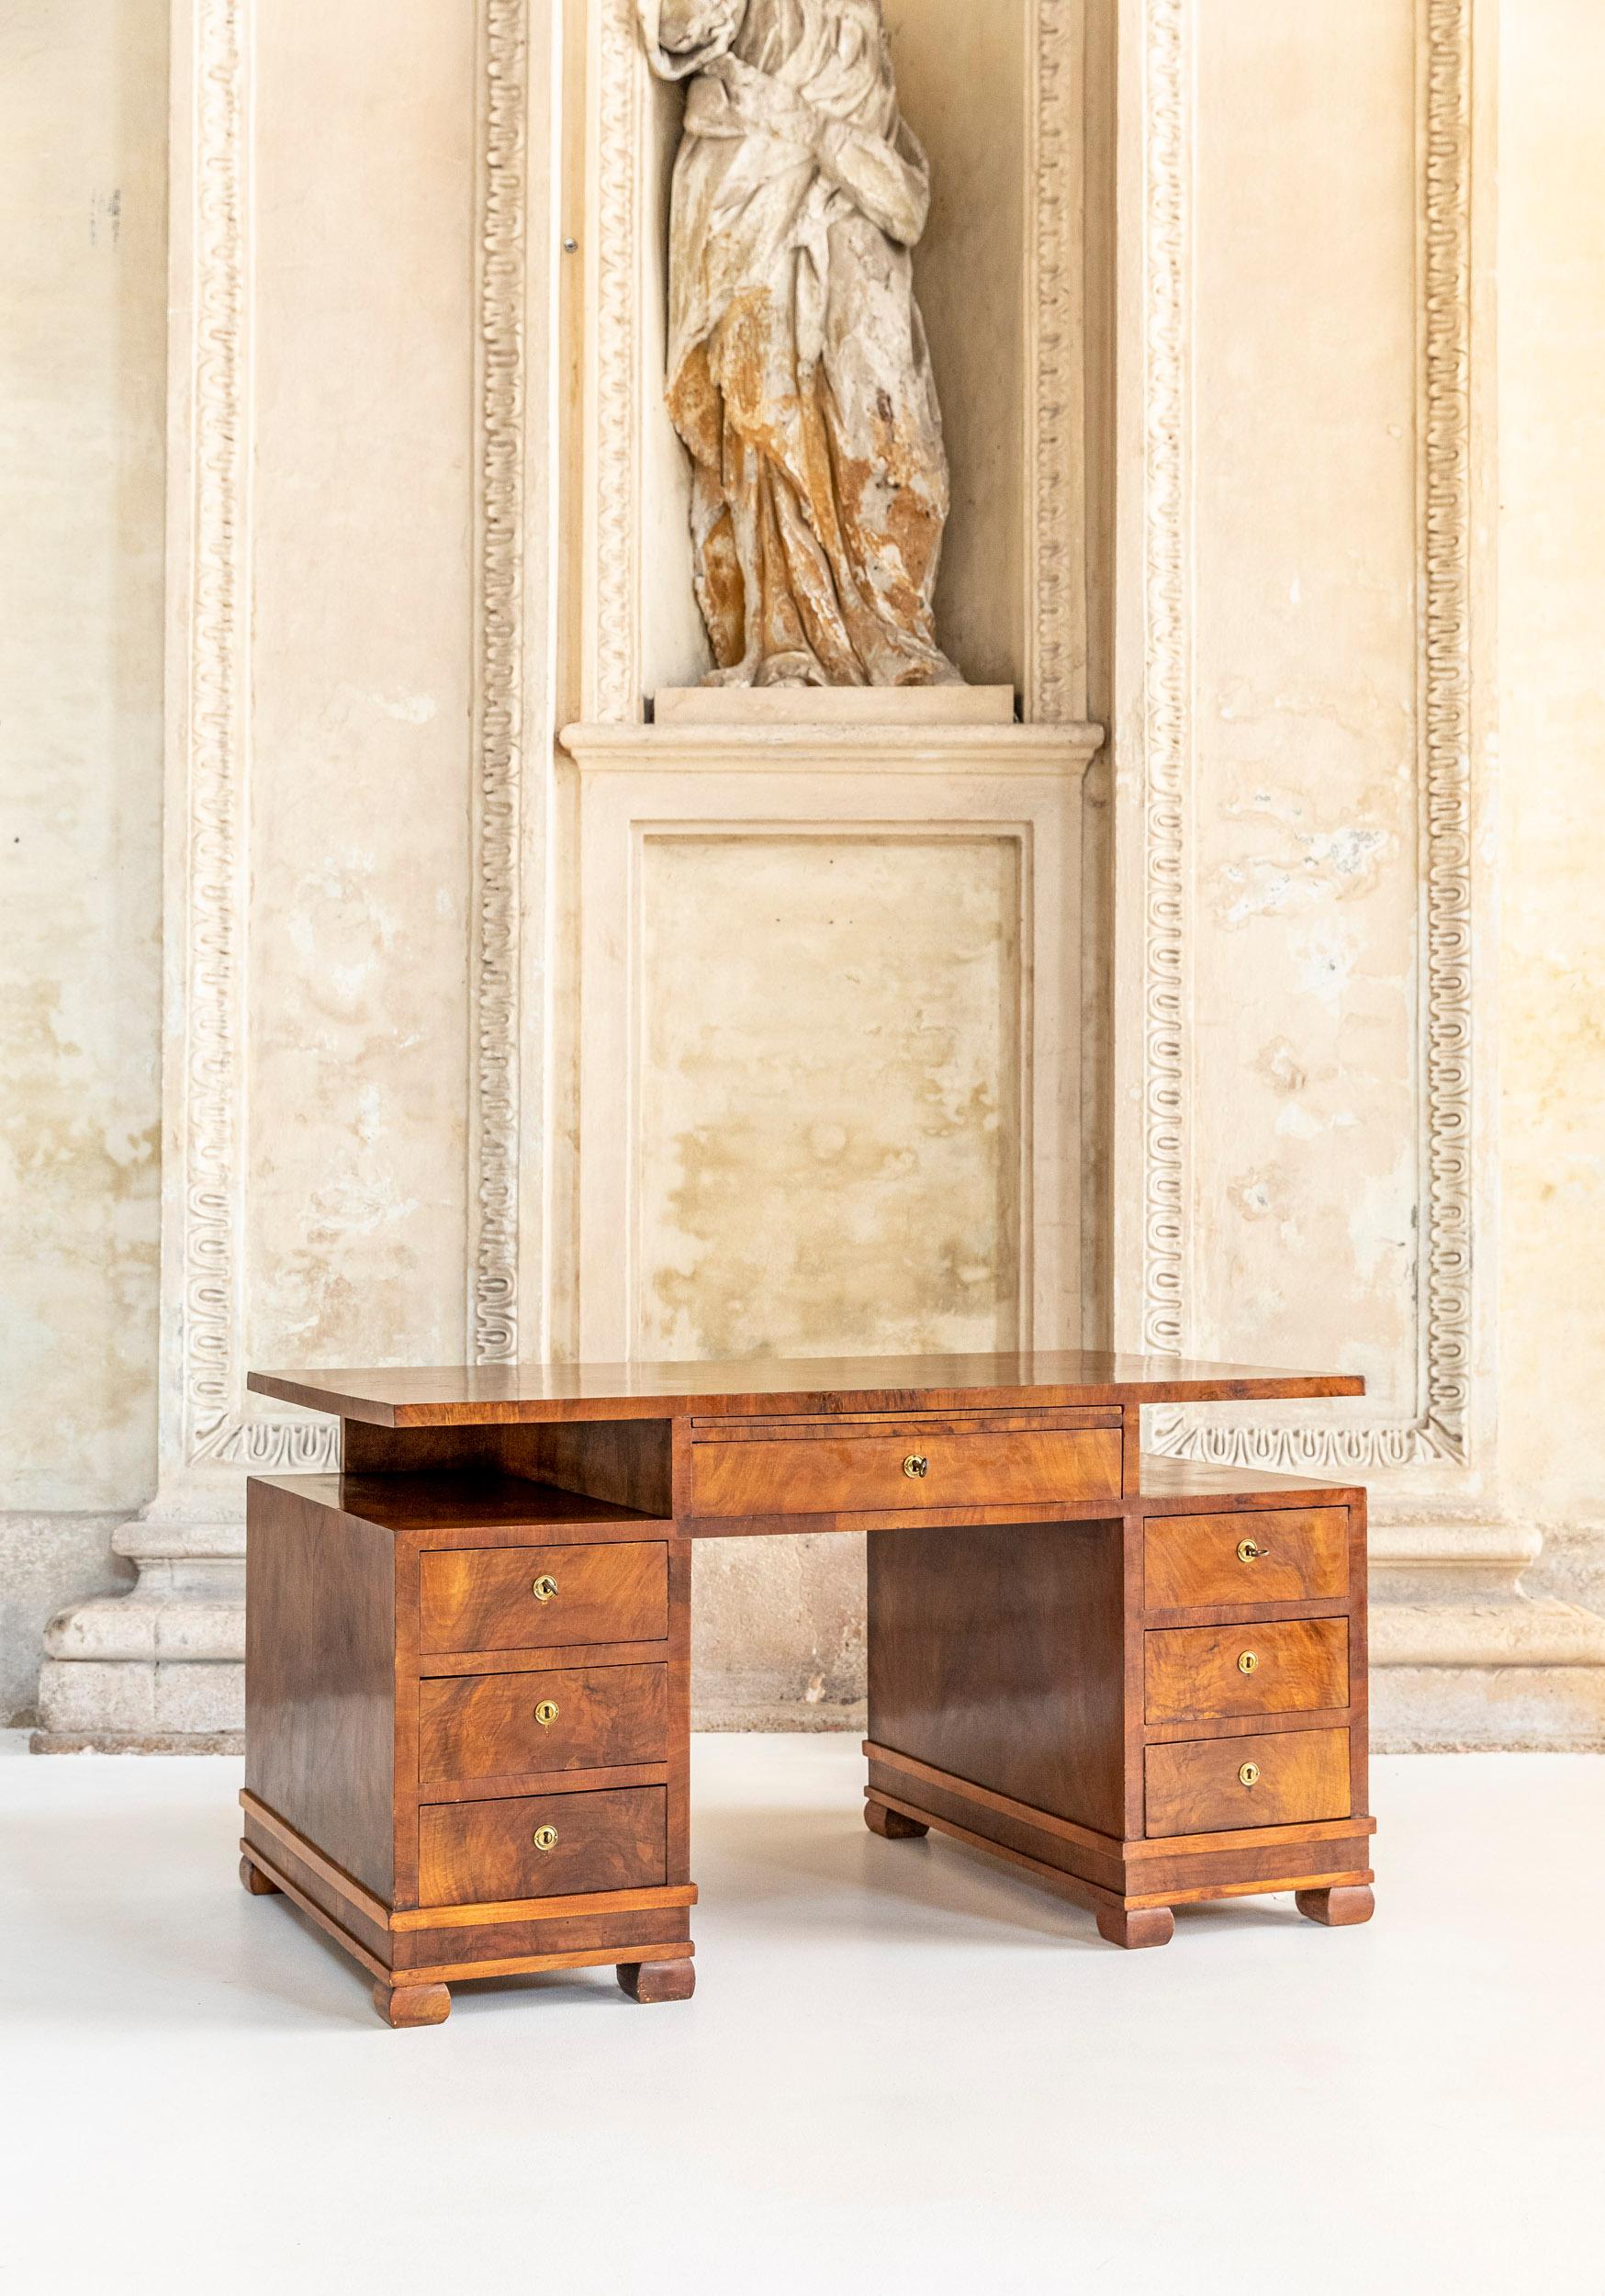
(468, 1700)
(502, 1393)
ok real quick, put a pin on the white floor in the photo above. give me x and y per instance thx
(903, 2070)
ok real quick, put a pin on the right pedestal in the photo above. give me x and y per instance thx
(1149, 1711)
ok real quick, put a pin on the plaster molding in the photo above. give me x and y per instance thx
(761, 751)
(1055, 673)
(1438, 1435)
(1167, 707)
(494, 1112)
(615, 683)
(213, 730)
(1446, 727)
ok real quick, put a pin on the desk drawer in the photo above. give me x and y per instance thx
(1213, 1673)
(1203, 1561)
(1294, 1777)
(492, 1853)
(826, 1466)
(504, 1726)
(532, 1598)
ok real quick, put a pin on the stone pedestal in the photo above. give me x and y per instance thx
(160, 1670)
(1464, 1661)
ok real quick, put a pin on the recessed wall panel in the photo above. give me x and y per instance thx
(828, 1097)
(1304, 884)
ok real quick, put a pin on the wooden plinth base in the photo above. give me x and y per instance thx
(1336, 1908)
(1148, 1924)
(1130, 1887)
(406, 1950)
(647, 1981)
(406, 2005)
(892, 1824)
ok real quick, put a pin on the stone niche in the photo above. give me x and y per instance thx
(839, 944)
(995, 94)
(967, 80)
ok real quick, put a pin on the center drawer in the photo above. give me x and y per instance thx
(887, 1465)
(548, 1845)
(537, 1598)
(504, 1726)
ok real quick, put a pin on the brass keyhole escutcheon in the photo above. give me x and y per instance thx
(1248, 1663)
(545, 1837)
(917, 1467)
(543, 1589)
(545, 1714)
(1249, 1774)
(1249, 1552)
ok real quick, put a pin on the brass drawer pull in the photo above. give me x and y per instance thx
(546, 1713)
(1248, 1775)
(1249, 1552)
(545, 1837)
(543, 1589)
(917, 1467)
(1248, 1663)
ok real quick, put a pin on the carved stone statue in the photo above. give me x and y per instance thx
(799, 375)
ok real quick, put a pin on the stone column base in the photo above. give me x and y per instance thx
(1488, 1710)
(1490, 1672)
(160, 1670)
(173, 1742)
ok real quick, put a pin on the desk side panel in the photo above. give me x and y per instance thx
(998, 1655)
(320, 1678)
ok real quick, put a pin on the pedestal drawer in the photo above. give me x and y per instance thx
(1276, 1555)
(501, 1726)
(1216, 1673)
(532, 1598)
(551, 1845)
(827, 1467)
(1214, 1786)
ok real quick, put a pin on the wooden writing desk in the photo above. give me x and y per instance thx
(467, 1688)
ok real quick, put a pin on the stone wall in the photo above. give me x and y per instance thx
(83, 385)
(1305, 395)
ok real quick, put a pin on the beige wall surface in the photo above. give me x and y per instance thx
(1552, 615)
(1303, 875)
(355, 987)
(83, 352)
(831, 1081)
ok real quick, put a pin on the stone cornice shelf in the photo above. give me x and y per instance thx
(884, 749)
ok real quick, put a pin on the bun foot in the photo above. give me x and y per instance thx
(1152, 1925)
(891, 1823)
(659, 1980)
(1336, 1908)
(254, 1880)
(406, 2005)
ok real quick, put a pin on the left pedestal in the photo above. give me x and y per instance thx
(467, 1717)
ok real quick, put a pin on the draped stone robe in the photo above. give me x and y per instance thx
(799, 375)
